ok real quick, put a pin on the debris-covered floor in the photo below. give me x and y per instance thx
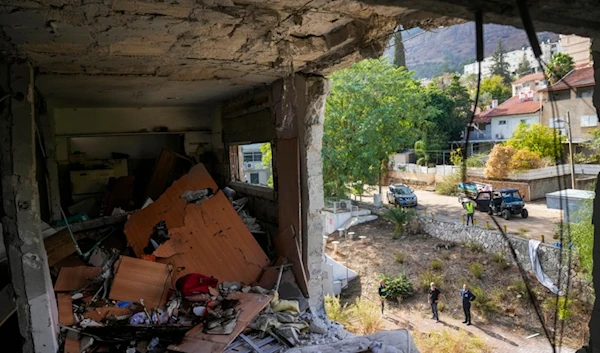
(183, 273)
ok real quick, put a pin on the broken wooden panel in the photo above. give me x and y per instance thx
(286, 244)
(137, 279)
(75, 278)
(169, 167)
(72, 345)
(196, 341)
(65, 309)
(209, 238)
(100, 314)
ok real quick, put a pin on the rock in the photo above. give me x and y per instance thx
(318, 326)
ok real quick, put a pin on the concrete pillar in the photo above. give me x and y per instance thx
(36, 304)
(312, 93)
(595, 319)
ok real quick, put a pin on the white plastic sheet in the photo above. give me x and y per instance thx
(537, 268)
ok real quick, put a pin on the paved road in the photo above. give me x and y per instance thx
(541, 220)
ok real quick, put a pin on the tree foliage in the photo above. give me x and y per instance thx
(371, 113)
(267, 159)
(500, 66)
(582, 236)
(498, 165)
(524, 67)
(493, 88)
(559, 65)
(539, 139)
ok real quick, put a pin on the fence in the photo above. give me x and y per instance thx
(534, 174)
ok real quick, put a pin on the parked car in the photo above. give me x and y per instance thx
(401, 195)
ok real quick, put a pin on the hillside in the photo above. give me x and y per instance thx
(449, 49)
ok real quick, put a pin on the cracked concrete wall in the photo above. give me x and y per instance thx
(36, 305)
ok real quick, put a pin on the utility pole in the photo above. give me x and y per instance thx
(571, 150)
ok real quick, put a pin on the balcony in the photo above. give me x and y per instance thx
(480, 135)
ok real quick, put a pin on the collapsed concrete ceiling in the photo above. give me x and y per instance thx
(148, 52)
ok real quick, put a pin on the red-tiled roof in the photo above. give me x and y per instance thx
(531, 77)
(583, 77)
(480, 117)
(514, 106)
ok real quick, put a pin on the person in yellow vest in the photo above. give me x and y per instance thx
(470, 207)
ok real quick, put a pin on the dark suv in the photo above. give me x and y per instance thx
(401, 195)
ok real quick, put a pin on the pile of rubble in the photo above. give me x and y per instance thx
(184, 273)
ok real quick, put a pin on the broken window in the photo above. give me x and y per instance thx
(252, 164)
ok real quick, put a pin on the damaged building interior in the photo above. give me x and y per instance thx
(126, 216)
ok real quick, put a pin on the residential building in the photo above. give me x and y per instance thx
(579, 48)
(572, 97)
(514, 58)
(505, 118)
(253, 169)
(528, 85)
(480, 134)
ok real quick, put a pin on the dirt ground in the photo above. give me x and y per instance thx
(376, 257)
(541, 220)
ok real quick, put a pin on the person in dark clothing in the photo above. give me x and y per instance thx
(434, 298)
(467, 298)
(382, 294)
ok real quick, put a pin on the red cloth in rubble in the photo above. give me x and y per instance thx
(195, 283)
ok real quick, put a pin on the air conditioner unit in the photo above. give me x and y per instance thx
(499, 136)
(248, 165)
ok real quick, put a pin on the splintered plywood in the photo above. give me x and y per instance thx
(286, 244)
(196, 341)
(65, 309)
(137, 279)
(209, 238)
(75, 278)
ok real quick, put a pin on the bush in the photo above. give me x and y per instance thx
(498, 165)
(518, 287)
(476, 160)
(449, 187)
(398, 287)
(427, 277)
(563, 312)
(524, 159)
(498, 295)
(476, 270)
(366, 316)
(399, 218)
(336, 312)
(447, 341)
(500, 260)
(483, 303)
(474, 246)
(400, 257)
(436, 265)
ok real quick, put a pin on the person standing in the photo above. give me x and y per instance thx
(382, 294)
(467, 298)
(470, 207)
(434, 298)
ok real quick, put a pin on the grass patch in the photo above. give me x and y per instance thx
(427, 277)
(474, 246)
(484, 303)
(498, 295)
(476, 270)
(518, 287)
(450, 341)
(564, 306)
(336, 311)
(400, 257)
(523, 231)
(436, 265)
(445, 254)
(500, 260)
(366, 317)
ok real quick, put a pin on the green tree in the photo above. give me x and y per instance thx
(494, 88)
(524, 67)
(500, 66)
(539, 139)
(559, 65)
(267, 160)
(371, 113)
(582, 236)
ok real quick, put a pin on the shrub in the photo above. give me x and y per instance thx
(524, 159)
(445, 255)
(436, 265)
(476, 160)
(449, 187)
(483, 303)
(476, 270)
(498, 295)
(366, 316)
(500, 260)
(398, 287)
(497, 166)
(519, 287)
(564, 313)
(427, 277)
(441, 306)
(400, 257)
(450, 341)
(399, 218)
(474, 246)
(336, 311)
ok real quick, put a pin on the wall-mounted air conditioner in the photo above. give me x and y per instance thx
(499, 136)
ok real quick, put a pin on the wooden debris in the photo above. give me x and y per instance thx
(286, 245)
(195, 341)
(65, 309)
(74, 278)
(169, 167)
(100, 314)
(137, 279)
(209, 238)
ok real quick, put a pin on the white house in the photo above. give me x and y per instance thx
(528, 85)
(507, 116)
